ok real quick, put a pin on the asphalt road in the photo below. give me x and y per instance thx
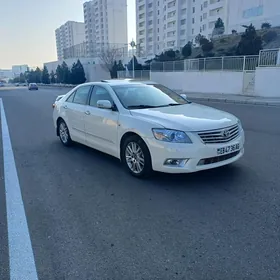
(88, 219)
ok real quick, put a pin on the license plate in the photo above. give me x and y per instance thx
(228, 149)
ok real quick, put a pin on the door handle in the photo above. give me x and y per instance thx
(87, 112)
(65, 107)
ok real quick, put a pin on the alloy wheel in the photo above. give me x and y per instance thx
(134, 157)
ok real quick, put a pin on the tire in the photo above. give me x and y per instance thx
(136, 157)
(63, 133)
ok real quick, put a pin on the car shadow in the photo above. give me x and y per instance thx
(222, 177)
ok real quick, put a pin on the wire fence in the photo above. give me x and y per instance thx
(138, 75)
(233, 63)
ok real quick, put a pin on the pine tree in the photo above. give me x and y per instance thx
(250, 43)
(78, 73)
(187, 50)
(52, 77)
(45, 76)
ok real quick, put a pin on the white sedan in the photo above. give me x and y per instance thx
(148, 127)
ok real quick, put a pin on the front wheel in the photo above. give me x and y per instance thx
(136, 157)
(63, 133)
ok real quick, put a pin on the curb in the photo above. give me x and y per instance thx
(230, 101)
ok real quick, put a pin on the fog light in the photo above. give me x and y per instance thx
(176, 162)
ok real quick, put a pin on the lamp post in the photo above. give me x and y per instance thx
(133, 45)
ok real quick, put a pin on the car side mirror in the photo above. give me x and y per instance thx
(183, 95)
(104, 104)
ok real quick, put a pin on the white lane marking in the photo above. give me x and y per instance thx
(21, 258)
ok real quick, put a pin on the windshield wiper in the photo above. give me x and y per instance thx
(141, 106)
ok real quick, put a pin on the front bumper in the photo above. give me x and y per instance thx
(161, 151)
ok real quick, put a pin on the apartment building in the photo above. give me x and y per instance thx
(19, 69)
(105, 25)
(245, 12)
(165, 24)
(68, 35)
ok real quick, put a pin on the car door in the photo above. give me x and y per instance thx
(101, 125)
(74, 109)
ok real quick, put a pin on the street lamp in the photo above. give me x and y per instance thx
(133, 45)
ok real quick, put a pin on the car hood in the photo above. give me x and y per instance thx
(188, 117)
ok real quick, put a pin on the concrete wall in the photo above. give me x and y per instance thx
(205, 82)
(267, 81)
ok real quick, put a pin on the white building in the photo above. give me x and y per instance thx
(245, 12)
(105, 25)
(68, 35)
(6, 74)
(165, 24)
(18, 69)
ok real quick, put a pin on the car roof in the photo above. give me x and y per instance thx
(125, 81)
(115, 82)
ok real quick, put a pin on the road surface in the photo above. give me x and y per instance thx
(89, 219)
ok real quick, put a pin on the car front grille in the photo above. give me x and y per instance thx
(206, 161)
(224, 135)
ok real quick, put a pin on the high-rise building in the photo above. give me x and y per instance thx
(165, 24)
(105, 25)
(19, 69)
(68, 35)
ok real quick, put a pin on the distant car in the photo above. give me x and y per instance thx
(2, 84)
(32, 86)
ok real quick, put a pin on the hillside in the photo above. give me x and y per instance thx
(226, 44)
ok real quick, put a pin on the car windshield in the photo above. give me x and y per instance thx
(146, 96)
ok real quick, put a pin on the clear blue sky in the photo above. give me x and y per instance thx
(27, 28)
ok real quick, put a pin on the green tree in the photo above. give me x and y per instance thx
(198, 38)
(137, 65)
(38, 75)
(114, 71)
(52, 77)
(45, 76)
(219, 28)
(78, 73)
(66, 74)
(187, 50)
(207, 46)
(266, 25)
(21, 78)
(250, 43)
(120, 66)
(59, 74)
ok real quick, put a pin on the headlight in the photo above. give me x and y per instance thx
(169, 135)
(239, 124)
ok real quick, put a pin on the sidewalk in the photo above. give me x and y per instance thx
(234, 98)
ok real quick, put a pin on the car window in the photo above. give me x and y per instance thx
(99, 93)
(81, 95)
(71, 97)
(143, 96)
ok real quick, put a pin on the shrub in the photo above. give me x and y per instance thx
(266, 25)
(207, 46)
(269, 36)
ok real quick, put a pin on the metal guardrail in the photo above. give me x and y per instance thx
(138, 75)
(270, 57)
(233, 63)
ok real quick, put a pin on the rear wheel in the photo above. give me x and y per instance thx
(136, 157)
(63, 133)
